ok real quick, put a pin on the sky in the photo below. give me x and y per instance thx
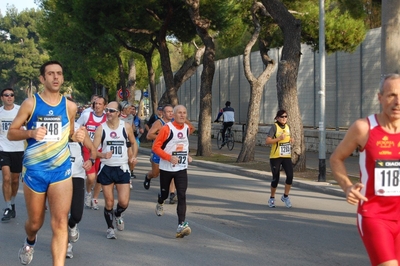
(19, 4)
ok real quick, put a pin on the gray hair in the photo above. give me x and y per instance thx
(387, 77)
(178, 107)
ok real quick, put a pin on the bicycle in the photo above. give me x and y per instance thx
(229, 139)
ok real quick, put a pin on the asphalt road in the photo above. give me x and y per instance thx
(231, 225)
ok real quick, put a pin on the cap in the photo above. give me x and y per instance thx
(228, 103)
(160, 108)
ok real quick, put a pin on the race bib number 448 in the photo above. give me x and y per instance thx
(387, 178)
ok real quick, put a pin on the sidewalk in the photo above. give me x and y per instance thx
(262, 154)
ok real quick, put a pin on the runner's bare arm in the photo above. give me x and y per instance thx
(133, 150)
(16, 131)
(153, 132)
(356, 136)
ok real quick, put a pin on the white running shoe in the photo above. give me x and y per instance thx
(120, 223)
(271, 202)
(88, 200)
(73, 233)
(95, 204)
(159, 209)
(70, 253)
(25, 254)
(286, 201)
(183, 230)
(111, 233)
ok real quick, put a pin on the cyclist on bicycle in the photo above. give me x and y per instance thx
(229, 118)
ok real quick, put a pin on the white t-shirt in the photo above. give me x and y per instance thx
(6, 118)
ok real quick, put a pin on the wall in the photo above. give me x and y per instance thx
(352, 82)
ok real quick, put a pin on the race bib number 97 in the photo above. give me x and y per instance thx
(387, 178)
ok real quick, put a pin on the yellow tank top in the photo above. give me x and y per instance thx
(282, 148)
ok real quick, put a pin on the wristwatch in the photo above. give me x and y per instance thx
(92, 160)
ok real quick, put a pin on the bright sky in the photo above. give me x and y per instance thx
(19, 4)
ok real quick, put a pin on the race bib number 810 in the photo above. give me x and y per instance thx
(387, 178)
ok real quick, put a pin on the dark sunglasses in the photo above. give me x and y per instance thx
(8, 95)
(111, 110)
(283, 116)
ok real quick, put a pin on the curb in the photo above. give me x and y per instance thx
(323, 187)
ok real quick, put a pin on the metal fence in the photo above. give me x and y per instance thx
(352, 81)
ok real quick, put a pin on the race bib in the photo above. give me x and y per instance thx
(5, 125)
(182, 156)
(284, 149)
(53, 126)
(387, 178)
(115, 147)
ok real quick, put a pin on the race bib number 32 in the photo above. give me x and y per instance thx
(387, 178)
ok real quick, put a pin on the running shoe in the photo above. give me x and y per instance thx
(25, 254)
(70, 253)
(132, 175)
(73, 233)
(111, 233)
(6, 215)
(130, 184)
(271, 203)
(88, 200)
(159, 209)
(146, 183)
(173, 198)
(183, 230)
(119, 221)
(286, 201)
(95, 204)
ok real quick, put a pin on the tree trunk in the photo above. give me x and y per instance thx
(207, 76)
(390, 37)
(131, 80)
(288, 68)
(256, 87)
(121, 72)
(152, 80)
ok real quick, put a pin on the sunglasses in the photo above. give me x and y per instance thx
(283, 116)
(111, 110)
(8, 95)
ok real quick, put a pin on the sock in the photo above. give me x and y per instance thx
(108, 215)
(31, 243)
(285, 196)
(8, 204)
(118, 212)
(272, 197)
(12, 200)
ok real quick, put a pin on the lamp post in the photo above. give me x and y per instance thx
(321, 126)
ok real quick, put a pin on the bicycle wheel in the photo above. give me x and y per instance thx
(219, 140)
(230, 142)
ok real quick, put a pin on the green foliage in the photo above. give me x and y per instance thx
(343, 31)
(21, 51)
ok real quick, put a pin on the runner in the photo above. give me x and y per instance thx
(47, 166)
(118, 148)
(377, 137)
(91, 120)
(11, 153)
(167, 116)
(172, 145)
(78, 186)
